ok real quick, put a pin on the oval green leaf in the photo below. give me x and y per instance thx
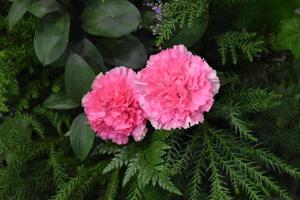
(60, 101)
(113, 18)
(289, 36)
(78, 77)
(81, 137)
(87, 50)
(189, 35)
(16, 12)
(51, 37)
(125, 51)
(43, 7)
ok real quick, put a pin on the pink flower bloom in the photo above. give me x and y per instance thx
(176, 88)
(112, 108)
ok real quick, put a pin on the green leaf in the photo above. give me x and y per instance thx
(289, 36)
(78, 77)
(87, 50)
(16, 12)
(165, 183)
(125, 51)
(59, 101)
(81, 137)
(42, 7)
(113, 185)
(132, 169)
(113, 18)
(189, 35)
(51, 37)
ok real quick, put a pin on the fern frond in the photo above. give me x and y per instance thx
(218, 190)
(106, 149)
(271, 161)
(121, 158)
(194, 188)
(36, 125)
(165, 183)
(80, 185)
(59, 172)
(241, 180)
(240, 126)
(113, 184)
(145, 162)
(245, 166)
(134, 192)
(176, 14)
(57, 120)
(232, 42)
(257, 100)
(69, 187)
(232, 113)
(132, 169)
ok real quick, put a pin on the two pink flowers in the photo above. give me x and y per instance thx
(172, 91)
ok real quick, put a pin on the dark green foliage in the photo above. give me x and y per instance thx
(145, 163)
(235, 167)
(16, 55)
(288, 38)
(247, 148)
(230, 43)
(31, 157)
(177, 14)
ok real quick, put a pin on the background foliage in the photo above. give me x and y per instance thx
(51, 50)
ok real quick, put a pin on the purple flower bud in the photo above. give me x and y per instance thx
(157, 9)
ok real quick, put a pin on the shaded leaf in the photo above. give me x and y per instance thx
(81, 137)
(59, 101)
(87, 50)
(16, 11)
(51, 37)
(112, 18)
(125, 51)
(43, 7)
(78, 77)
(289, 36)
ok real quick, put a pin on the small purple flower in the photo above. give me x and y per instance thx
(157, 9)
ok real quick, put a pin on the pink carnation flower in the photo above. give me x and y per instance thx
(176, 88)
(112, 108)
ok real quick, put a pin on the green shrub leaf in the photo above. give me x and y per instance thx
(51, 37)
(43, 7)
(289, 36)
(59, 101)
(78, 77)
(125, 51)
(90, 53)
(112, 18)
(81, 137)
(16, 12)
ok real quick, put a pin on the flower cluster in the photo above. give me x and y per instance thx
(172, 91)
(112, 108)
(157, 7)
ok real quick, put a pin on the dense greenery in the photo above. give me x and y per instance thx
(247, 148)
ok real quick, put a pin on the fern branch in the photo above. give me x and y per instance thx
(176, 14)
(59, 173)
(233, 41)
(218, 190)
(112, 187)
